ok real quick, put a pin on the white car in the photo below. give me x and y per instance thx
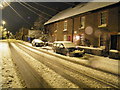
(37, 42)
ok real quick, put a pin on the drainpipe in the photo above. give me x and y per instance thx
(72, 28)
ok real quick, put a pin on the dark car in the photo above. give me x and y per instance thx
(67, 48)
(37, 42)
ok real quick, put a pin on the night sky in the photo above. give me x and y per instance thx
(26, 17)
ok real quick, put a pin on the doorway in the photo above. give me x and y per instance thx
(114, 42)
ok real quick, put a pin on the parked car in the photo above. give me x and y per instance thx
(67, 48)
(37, 42)
(48, 44)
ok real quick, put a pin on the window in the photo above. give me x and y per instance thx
(82, 22)
(65, 37)
(65, 26)
(103, 19)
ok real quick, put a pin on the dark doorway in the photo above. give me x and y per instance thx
(114, 42)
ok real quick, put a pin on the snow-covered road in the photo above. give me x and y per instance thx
(61, 67)
(57, 72)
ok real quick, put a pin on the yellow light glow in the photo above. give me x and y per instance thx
(77, 37)
(1, 6)
(3, 22)
(5, 29)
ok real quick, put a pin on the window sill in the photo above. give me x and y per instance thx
(82, 28)
(55, 31)
(102, 26)
(64, 30)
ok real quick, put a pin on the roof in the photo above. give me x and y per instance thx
(79, 9)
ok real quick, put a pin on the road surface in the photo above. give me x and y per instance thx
(41, 69)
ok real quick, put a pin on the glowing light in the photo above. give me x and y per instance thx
(5, 29)
(77, 37)
(3, 22)
(8, 31)
(1, 27)
(1, 6)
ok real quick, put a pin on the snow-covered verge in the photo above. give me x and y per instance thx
(9, 77)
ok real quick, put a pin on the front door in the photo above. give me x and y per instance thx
(114, 42)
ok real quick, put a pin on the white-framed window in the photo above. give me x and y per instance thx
(82, 22)
(65, 26)
(103, 19)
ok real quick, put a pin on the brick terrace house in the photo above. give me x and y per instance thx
(92, 24)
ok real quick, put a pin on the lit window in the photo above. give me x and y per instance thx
(65, 26)
(65, 37)
(82, 22)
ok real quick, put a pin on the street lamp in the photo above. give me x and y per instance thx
(3, 22)
(4, 29)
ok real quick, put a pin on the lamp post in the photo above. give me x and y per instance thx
(3, 24)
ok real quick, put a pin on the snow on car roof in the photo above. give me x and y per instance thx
(66, 44)
(37, 40)
(62, 42)
(79, 9)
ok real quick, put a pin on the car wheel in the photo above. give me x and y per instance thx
(81, 55)
(33, 44)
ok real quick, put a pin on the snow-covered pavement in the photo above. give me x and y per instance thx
(8, 75)
(1, 45)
